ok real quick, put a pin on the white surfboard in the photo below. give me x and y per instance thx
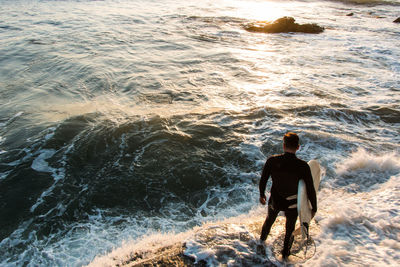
(304, 207)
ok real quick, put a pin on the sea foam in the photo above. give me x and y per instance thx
(361, 160)
(359, 228)
(350, 228)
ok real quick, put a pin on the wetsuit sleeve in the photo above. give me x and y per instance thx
(310, 187)
(264, 177)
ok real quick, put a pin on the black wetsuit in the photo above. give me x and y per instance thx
(286, 170)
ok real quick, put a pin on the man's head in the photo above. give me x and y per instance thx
(291, 142)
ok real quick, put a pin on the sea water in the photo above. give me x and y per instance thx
(128, 125)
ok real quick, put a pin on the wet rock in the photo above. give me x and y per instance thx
(373, 14)
(397, 20)
(283, 25)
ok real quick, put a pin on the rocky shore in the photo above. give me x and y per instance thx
(232, 241)
(167, 256)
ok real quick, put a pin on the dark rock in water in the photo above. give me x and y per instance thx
(285, 24)
(374, 15)
(350, 14)
(397, 20)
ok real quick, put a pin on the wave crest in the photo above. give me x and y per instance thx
(361, 160)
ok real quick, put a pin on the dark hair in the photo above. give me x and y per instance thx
(291, 140)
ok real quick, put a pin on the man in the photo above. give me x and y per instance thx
(286, 170)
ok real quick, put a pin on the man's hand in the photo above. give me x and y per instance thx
(263, 200)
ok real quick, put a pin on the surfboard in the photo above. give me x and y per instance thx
(304, 207)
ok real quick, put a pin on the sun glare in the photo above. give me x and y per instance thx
(260, 10)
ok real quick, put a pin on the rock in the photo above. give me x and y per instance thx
(350, 14)
(285, 24)
(397, 20)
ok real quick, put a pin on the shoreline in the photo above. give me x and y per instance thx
(230, 241)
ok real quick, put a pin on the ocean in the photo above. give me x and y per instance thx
(130, 125)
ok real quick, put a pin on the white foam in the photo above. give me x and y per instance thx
(51, 131)
(3, 124)
(360, 229)
(350, 229)
(194, 250)
(355, 229)
(2, 139)
(223, 243)
(146, 246)
(40, 164)
(361, 160)
(3, 175)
